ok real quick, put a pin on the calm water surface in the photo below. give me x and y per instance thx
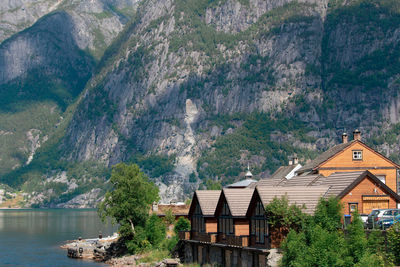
(33, 237)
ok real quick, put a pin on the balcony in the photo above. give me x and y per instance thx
(202, 237)
(184, 235)
(232, 240)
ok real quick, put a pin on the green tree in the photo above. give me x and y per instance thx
(328, 214)
(155, 230)
(169, 217)
(182, 224)
(393, 237)
(282, 215)
(356, 239)
(129, 201)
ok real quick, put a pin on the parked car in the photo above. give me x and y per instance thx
(386, 223)
(378, 218)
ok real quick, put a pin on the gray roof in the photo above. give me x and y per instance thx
(338, 182)
(238, 200)
(282, 171)
(208, 200)
(243, 183)
(325, 156)
(297, 195)
(301, 180)
(271, 181)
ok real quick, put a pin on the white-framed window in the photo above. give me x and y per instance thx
(357, 155)
(382, 178)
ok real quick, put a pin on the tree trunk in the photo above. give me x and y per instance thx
(132, 226)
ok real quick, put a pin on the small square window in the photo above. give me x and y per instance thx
(357, 155)
(353, 207)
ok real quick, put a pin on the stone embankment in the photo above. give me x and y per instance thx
(94, 249)
(108, 250)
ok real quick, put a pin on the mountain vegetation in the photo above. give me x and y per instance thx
(192, 91)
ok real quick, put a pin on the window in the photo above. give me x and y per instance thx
(225, 221)
(259, 224)
(198, 220)
(357, 154)
(382, 178)
(389, 212)
(353, 207)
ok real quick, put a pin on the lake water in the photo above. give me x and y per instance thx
(33, 237)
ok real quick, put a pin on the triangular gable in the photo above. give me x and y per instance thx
(254, 199)
(368, 174)
(221, 201)
(344, 147)
(195, 201)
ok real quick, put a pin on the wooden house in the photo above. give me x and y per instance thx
(201, 214)
(261, 235)
(353, 156)
(221, 237)
(233, 225)
(361, 191)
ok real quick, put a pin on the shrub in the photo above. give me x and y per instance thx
(169, 217)
(182, 224)
(155, 230)
(393, 237)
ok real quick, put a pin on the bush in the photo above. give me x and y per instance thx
(139, 242)
(182, 224)
(155, 230)
(328, 214)
(169, 217)
(322, 243)
(393, 237)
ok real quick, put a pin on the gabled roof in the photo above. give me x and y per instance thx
(297, 195)
(284, 171)
(335, 150)
(325, 156)
(342, 183)
(238, 200)
(207, 199)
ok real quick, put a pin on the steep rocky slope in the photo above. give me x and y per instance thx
(195, 90)
(184, 77)
(45, 67)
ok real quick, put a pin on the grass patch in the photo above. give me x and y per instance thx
(154, 256)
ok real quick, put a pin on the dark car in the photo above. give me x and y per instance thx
(378, 218)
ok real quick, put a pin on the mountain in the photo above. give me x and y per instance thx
(195, 90)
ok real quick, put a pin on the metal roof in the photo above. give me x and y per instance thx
(243, 183)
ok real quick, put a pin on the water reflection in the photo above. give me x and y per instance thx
(36, 234)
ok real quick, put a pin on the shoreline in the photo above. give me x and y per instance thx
(98, 250)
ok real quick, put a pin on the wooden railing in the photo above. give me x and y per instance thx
(204, 237)
(184, 235)
(232, 240)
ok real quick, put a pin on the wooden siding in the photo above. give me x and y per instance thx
(365, 188)
(242, 227)
(211, 225)
(370, 160)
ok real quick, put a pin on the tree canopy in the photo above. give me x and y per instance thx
(129, 201)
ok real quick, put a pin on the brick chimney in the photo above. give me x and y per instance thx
(295, 160)
(345, 138)
(357, 135)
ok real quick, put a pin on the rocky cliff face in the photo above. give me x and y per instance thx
(209, 86)
(46, 66)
